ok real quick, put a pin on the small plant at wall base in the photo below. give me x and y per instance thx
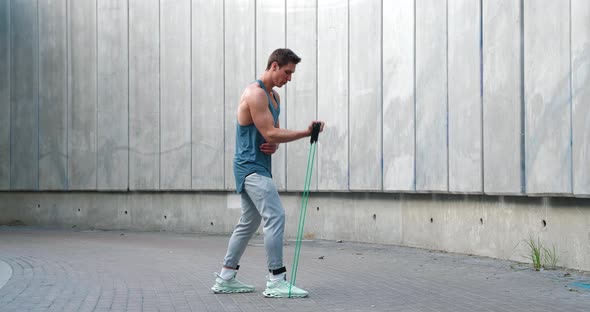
(534, 252)
(550, 258)
(541, 256)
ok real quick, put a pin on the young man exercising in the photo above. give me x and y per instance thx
(258, 135)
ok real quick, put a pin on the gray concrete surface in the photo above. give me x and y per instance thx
(431, 93)
(5, 273)
(580, 59)
(175, 95)
(207, 85)
(482, 225)
(333, 95)
(502, 97)
(112, 118)
(464, 137)
(141, 94)
(82, 95)
(398, 103)
(144, 95)
(269, 14)
(5, 109)
(53, 95)
(547, 97)
(301, 105)
(365, 156)
(64, 270)
(23, 96)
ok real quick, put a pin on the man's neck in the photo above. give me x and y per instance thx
(267, 80)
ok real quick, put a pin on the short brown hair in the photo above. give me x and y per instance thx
(282, 57)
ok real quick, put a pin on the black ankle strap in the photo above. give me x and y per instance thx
(278, 271)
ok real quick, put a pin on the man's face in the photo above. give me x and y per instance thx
(283, 74)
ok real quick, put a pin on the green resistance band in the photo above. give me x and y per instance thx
(302, 211)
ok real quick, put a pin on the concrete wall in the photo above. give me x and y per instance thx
(494, 226)
(470, 97)
(420, 96)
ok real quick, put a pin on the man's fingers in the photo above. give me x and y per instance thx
(322, 124)
(269, 148)
(268, 145)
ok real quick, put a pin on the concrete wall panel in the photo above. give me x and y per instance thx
(24, 87)
(82, 80)
(207, 89)
(65, 108)
(113, 103)
(359, 216)
(366, 159)
(398, 95)
(581, 95)
(464, 88)
(502, 97)
(431, 96)
(333, 95)
(53, 136)
(144, 95)
(5, 94)
(547, 97)
(492, 226)
(239, 70)
(302, 90)
(175, 88)
(270, 35)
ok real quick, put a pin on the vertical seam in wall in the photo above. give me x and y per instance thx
(481, 69)
(381, 100)
(255, 52)
(224, 103)
(128, 107)
(255, 36)
(522, 105)
(447, 93)
(159, 94)
(191, 92)
(67, 83)
(415, 77)
(318, 172)
(10, 148)
(348, 88)
(286, 97)
(96, 133)
(255, 48)
(572, 180)
(38, 91)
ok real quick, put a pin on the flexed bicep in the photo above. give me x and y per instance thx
(261, 115)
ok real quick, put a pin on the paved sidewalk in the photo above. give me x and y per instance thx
(57, 270)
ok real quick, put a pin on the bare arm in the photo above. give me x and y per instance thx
(262, 117)
(270, 148)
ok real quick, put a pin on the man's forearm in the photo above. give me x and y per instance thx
(278, 135)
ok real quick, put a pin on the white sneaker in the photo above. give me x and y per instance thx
(230, 286)
(283, 289)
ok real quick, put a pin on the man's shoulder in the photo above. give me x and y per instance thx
(254, 94)
(254, 88)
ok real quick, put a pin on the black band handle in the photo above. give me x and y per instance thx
(315, 132)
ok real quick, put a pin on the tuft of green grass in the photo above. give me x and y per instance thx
(535, 249)
(550, 257)
(541, 256)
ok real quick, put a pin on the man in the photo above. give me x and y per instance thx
(257, 137)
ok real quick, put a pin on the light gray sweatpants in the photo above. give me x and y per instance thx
(260, 201)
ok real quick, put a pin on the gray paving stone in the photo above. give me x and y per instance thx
(58, 270)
